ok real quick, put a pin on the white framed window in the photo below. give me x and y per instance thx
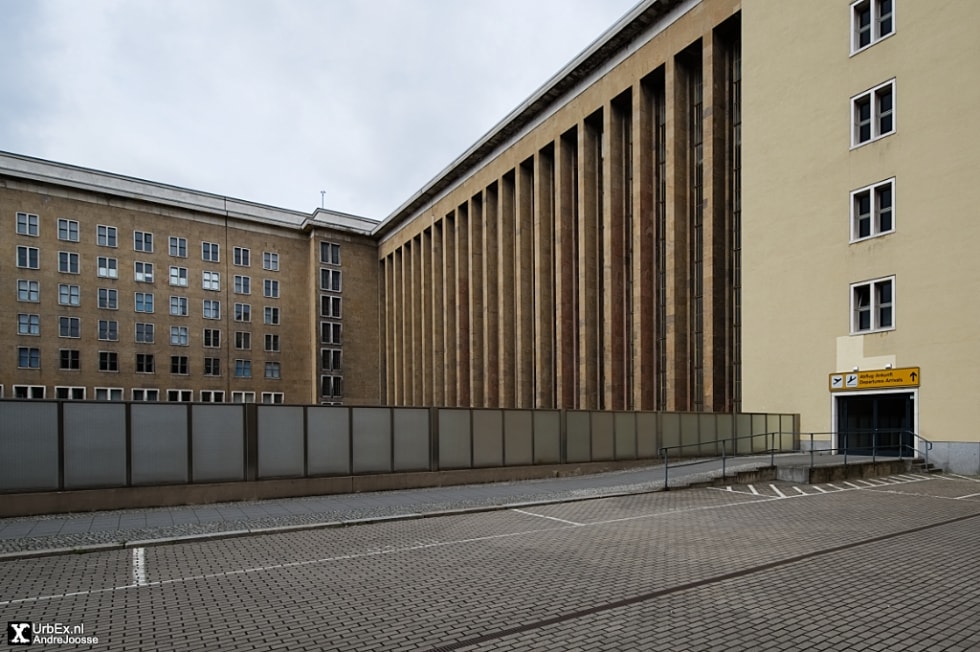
(212, 396)
(108, 393)
(873, 114)
(178, 247)
(145, 394)
(67, 262)
(106, 236)
(270, 261)
(69, 327)
(275, 398)
(331, 359)
(209, 252)
(144, 302)
(28, 257)
(144, 332)
(330, 280)
(180, 395)
(178, 276)
(145, 363)
(211, 281)
(243, 284)
(332, 386)
(873, 210)
(873, 305)
(179, 336)
(271, 315)
(243, 340)
(69, 359)
(178, 365)
(143, 272)
(69, 295)
(178, 306)
(272, 342)
(28, 324)
(271, 288)
(273, 370)
(63, 393)
(109, 361)
(242, 257)
(29, 391)
(243, 312)
(329, 253)
(108, 299)
(109, 330)
(243, 368)
(243, 397)
(212, 366)
(212, 309)
(212, 338)
(27, 224)
(330, 307)
(29, 291)
(108, 267)
(330, 333)
(67, 230)
(143, 241)
(871, 21)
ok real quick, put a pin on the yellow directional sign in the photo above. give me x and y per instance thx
(877, 379)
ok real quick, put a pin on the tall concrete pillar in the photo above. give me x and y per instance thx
(544, 279)
(491, 279)
(566, 264)
(438, 361)
(477, 250)
(507, 292)
(589, 256)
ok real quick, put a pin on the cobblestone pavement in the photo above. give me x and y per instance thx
(887, 564)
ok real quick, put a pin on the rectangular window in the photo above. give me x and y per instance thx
(109, 330)
(212, 338)
(69, 393)
(179, 336)
(874, 114)
(242, 257)
(108, 267)
(212, 396)
(178, 276)
(28, 291)
(272, 342)
(243, 397)
(67, 262)
(332, 386)
(178, 247)
(243, 368)
(271, 315)
(180, 395)
(273, 370)
(873, 306)
(212, 309)
(69, 295)
(272, 397)
(69, 327)
(27, 257)
(144, 302)
(144, 272)
(243, 312)
(212, 366)
(109, 361)
(329, 253)
(871, 21)
(145, 363)
(32, 391)
(271, 289)
(68, 230)
(108, 299)
(105, 236)
(28, 324)
(211, 281)
(330, 359)
(178, 306)
(144, 333)
(27, 224)
(140, 394)
(178, 364)
(330, 333)
(330, 280)
(243, 285)
(108, 394)
(209, 252)
(28, 357)
(69, 359)
(243, 340)
(143, 241)
(270, 261)
(330, 307)
(873, 210)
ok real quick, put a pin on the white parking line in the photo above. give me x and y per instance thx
(967, 496)
(820, 489)
(753, 490)
(800, 491)
(778, 492)
(550, 518)
(139, 566)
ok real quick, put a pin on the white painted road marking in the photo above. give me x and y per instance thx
(550, 518)
(139, 567)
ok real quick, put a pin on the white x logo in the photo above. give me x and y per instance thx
(19, 629)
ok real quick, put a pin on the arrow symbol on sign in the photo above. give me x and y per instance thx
(913, 376)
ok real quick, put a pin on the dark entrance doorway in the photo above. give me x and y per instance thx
(876, 423)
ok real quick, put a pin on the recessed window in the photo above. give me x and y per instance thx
(108, 267)
(243, 284)
(145, 363)
(271, 288)
(212, 309)
(330, 280)
(330, 307)
(178, 276)
(243, 397)
(242, 257)
(209, 252)
(67, 262)
(243, 312)
(212, 338)
(212, 366)
(69, 327)
(243, 368)
(271, 315)
(212, 396)
(332, 386)
(109, 361)
(28, 324)
(28, 291)
(273, 370)
(180, 395)
(68, 230)
(108, 394)
(69, 359)
(143, 241)
(270, 261)
(273, 398)
(330, 359)
(873, 305)
(69, 295)
(330, 333)
(873, 114)
(144, 333)
(143, 271)
(28, 257)
(106, 236)
(108, 330)
(27, 224)
(140, 394)
(871, 21)
(178, 247)
(144, 302)
(178, 364)
(211, 281)
(179, 336)
(873, 210)
(108, 299)
(69, 393)
(329, 253)
(178, 306)
(29, 391)
(272, 342)
(243, 340)
(28, 357)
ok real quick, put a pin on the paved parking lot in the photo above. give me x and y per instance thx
(888, 564)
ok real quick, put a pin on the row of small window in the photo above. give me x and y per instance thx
(871, 21)
(71, 327)
(142, 394)
(70, 359)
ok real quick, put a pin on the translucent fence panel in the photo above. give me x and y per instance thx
(519, 437)
(411, 439)
(29, 445)
(670, 431)
(547, 436)
(280, 439)
(371, 439)
(647, 435)
(743, 434)
(159, 443)
(95, 445)
(218, 435)
(603, 436)
(578, 437)
(328, 440)
(690, 425)
(454, 439)
(488, 438)
(625, 427)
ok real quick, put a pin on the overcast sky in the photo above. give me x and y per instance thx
(275, 100)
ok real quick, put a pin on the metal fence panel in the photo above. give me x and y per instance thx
(218, 442)
(647, 435)
(328, 440)
(411, 439)
(159, 443)
(488, 438)
(95, 445)
(625, 426)
(519, 436)
(29, 446)
(280, 441)
(371, 440)
(547, 436)
(454, 439)
(603, 436)
(578, 437)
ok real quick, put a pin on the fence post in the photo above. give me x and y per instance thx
(666, 465)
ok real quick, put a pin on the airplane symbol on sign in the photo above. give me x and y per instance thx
(837, 380)
(852, 380)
